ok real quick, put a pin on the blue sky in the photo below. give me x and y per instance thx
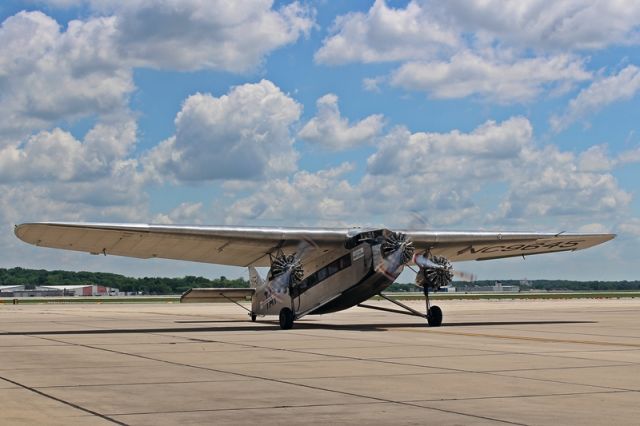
(517, 115)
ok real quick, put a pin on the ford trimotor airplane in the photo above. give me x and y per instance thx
(312, 270)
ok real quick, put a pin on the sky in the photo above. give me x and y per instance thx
(457, 115)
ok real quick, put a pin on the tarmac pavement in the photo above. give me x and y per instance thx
(532, 362)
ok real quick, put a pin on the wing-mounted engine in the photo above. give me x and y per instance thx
(435, 271)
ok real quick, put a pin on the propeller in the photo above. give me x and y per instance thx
(465, 276)
(397, 243)
(286, 270)
(435, 271)
(418, 221)
(397, 251)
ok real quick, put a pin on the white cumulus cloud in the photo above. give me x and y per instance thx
(57, 155)
(424, 29)
(599, 94)
(386, 34)
(450, 154)
(505, 51)
(47, 75)
(330, 129)
(557, 25)
(305, 197)
(444, 178)
(193, 34)
(50, 74)
(467, 74)
(242, 135)
(185, 213)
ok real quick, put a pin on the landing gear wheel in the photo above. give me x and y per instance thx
(253, 317)
(434, 316)
(286, 318)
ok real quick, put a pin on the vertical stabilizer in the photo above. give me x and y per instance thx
(255, 280)
(257, 301)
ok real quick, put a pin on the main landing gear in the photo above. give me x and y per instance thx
(433, 315)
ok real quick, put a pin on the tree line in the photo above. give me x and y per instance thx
(32, 278)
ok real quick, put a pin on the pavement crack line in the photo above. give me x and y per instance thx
(538, 339)
(447, 370)
(544, 395)
(285, 382)
(65, 402)
(270, 407)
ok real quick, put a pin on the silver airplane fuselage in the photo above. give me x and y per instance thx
(339, 281)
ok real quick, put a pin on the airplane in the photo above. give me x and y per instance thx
(312, 271)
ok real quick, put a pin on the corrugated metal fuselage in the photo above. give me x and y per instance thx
(340, 279)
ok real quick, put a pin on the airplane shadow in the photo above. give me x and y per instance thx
(273, 325)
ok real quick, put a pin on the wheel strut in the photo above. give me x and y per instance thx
(426, 298)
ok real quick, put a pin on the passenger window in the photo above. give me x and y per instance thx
(332, 268)
(322, 274)
(312, 280)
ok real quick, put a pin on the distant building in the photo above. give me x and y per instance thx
(36, 293)
(8, 290)
(505, 288)
(82, 290)
(58, 290)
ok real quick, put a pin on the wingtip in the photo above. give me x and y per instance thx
(21, 231)
(18, 230)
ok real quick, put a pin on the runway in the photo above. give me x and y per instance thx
(537, 362)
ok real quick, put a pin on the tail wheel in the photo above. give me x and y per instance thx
(286, 318)
(253, 317)
(434, 316)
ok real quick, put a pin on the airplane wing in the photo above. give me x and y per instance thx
(223, 245)
(461, 246)
(250, 246)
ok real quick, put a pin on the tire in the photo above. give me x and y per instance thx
(253, 317)
(434, 316)
(286, 318)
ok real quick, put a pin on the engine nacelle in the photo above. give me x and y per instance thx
(435, 272)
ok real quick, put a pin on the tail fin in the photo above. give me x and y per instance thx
(255, 280)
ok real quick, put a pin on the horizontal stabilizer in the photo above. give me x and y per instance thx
(207, 295)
